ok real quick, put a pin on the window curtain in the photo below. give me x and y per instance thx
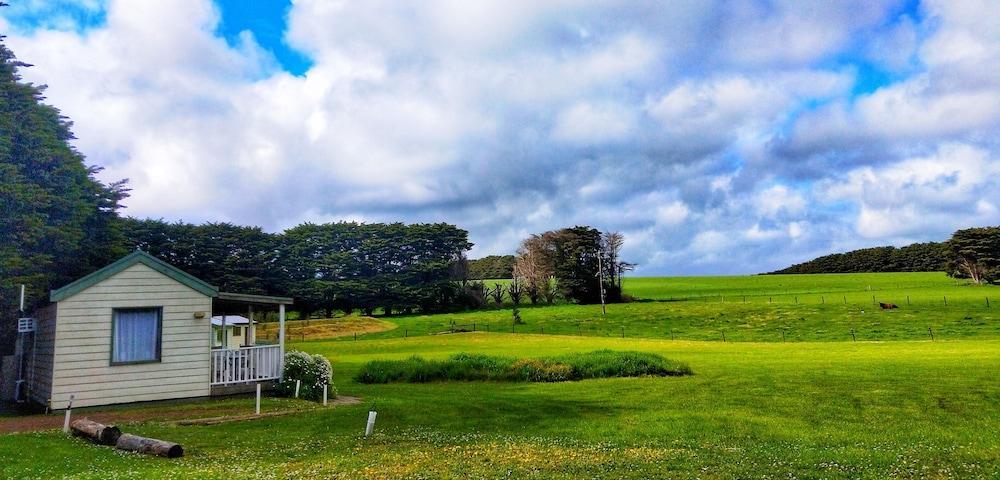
(136, 335)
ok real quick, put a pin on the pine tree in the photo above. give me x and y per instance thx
(59, 222)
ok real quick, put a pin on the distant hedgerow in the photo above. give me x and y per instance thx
(471, 367)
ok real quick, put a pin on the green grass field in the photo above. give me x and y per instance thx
(826, 408)
(763, 308)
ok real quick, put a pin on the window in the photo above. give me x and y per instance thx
(135, 335)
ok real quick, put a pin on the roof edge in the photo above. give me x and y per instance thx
(129, 260)
(259, 299)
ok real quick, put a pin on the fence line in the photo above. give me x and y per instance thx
(907, 332)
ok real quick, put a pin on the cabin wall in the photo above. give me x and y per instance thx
(82, 365)
(40, 365)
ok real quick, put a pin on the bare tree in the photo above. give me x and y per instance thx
(533, 267)
(611, 243)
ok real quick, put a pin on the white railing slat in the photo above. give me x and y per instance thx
(246, 364)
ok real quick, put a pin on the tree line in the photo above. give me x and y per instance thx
(492, 267)
(972, 253)
(325, 267)
(578, 264)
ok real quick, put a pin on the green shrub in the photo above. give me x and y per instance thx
(535, 370)
(611, 363)
(467, 367)
(313, 371)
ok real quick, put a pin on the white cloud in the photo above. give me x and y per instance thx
(587, 124)
(954, 187)
(672, 214)
(779, 199)
(698, 130)
(721, 110)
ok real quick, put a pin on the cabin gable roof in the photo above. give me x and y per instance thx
(127, 261)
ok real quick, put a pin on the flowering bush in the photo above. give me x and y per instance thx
(313, 370)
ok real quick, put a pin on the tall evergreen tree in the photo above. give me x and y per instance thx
(975, 254)
(59, 222)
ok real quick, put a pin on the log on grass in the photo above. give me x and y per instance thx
(151, 446)
(96, 432)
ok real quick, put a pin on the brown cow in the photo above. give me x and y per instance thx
(888, 306)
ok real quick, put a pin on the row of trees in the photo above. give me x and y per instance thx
(972, 253)
(491, 267)
(342, 266)
(918, 257)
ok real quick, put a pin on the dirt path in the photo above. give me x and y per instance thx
(111, 415)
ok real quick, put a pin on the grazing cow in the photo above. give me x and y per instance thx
(888, 306)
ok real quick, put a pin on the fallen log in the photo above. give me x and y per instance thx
(95, 432)
(151, 446)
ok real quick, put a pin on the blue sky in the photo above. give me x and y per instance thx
(718, 136)
(267, 20)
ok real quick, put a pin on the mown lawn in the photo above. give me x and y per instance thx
(907, 409)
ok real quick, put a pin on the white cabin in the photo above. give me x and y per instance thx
(141, 329)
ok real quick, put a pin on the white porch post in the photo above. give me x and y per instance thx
(249, 334)
(281, 341)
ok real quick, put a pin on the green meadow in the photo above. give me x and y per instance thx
(760, 308)
(896, 405)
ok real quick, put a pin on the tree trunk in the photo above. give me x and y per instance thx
(151, 446)
(96, 432)
(972, 268)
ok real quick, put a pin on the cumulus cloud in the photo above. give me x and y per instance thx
(957, 184)
(725, 138)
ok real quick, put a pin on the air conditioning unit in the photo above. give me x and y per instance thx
(25, 325)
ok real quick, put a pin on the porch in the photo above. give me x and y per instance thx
(240, 366)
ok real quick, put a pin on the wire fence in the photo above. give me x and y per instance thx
(863, 326)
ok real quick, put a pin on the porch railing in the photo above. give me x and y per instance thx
(246, 364)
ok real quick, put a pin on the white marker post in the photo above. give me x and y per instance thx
(257, 408)
(371, 422)
(298, 383)
(69, 412)
(324, 395)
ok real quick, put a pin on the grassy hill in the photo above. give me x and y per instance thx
(760, 308)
